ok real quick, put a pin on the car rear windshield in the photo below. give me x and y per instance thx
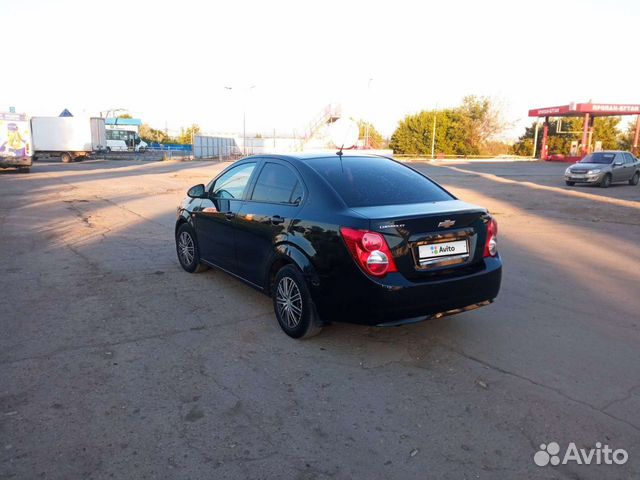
(599, 157)
(370, 181)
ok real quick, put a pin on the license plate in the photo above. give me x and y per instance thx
(443, 249)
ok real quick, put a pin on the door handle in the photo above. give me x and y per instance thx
(230, 215)
(277, 220)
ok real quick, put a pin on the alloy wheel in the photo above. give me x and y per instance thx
(186, 248)
(289, 301)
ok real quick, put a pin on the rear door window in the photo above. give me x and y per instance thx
(277, 184)
(370, 181)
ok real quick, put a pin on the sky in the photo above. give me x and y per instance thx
(168, 63)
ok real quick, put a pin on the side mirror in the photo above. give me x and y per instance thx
(197, 191)
(617, 163)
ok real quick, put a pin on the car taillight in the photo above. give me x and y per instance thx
(491, 244)
(370, 251)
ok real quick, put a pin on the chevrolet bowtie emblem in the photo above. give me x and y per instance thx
(447, 223)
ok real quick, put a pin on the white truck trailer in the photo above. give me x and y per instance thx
(15, 142)
(67, 137)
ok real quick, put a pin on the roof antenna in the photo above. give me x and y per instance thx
(339, 153)
(344, 132)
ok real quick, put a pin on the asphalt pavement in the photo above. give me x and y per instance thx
(115, 363)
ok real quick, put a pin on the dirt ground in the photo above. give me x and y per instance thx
(115, 363)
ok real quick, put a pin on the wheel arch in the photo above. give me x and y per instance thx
(289, 254)
(184, 217)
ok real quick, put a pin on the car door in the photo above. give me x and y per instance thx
(629, 166)
(618, 168)
(266, 216)
(215, 219)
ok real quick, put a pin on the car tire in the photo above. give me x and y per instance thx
(295, 311)
(187, 249)
(634, 180)
(66, 157)
(606, 181)
(569, 184)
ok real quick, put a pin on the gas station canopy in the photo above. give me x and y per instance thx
(579, 109)
(589, 111)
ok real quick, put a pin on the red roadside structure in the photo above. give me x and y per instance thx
(589, 111)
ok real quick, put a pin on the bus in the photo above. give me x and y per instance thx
(123, 140)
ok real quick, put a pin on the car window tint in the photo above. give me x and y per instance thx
(233, 183)
(628, 157)
(369, 181)
(277, 183)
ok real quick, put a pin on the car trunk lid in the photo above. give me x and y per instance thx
(431, 239)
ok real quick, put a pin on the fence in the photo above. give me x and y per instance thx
(208, 146)
(425, 158)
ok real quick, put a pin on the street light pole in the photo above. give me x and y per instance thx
(244, 117)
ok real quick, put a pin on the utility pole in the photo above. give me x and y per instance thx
(433, 135)
(366, 123)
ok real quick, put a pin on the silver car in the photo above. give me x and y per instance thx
(604, 168)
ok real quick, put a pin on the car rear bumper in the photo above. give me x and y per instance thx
(395, 300)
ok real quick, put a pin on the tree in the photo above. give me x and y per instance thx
(605, 129)
(482, 121)
(152, 135)
(124, 115)
(465, 130)
(414, 133)
(559, 142)
(495, 148)
(186, 134)
(410, 136)
(625, 140)
(376, 140)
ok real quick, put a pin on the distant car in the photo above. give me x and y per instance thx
(361, 239)
(604, 168)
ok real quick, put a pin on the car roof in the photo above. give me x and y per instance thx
(302, 156)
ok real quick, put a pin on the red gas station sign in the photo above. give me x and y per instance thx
(597, 109)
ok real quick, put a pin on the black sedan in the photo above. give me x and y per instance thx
(346, 238)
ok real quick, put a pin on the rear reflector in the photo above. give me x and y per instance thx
(369, 250)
